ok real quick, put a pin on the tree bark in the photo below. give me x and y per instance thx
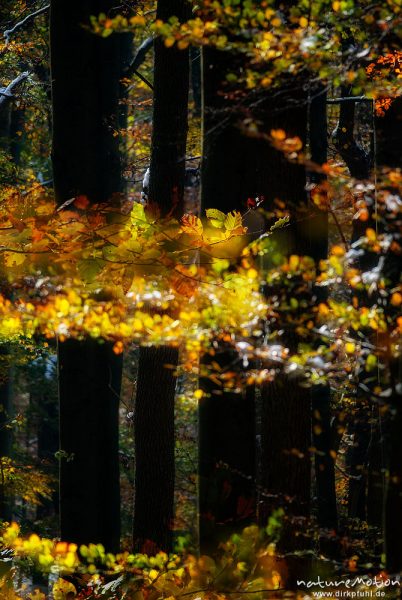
(227, 454)
(6, 435)
(327, 515)
(154, 449)
(237, 167)
(89, 390)
(86, 71)
(154, 404)
(388, 131)
(170, 117)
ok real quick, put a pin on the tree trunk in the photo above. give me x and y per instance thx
(89, 388)
(388, 131)
(86, 71)
(6, 435)
(170, 117)
(154, 449)
(227, 454)
(321, 395)
(237, 167)
(154, 404)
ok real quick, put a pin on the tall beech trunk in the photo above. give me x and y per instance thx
(154, 448)
(89, 380)
(86, 72)
(5, 432)
(365, 498)
(327, 515)
(237, 167)
(227, 454)
(6, 141)
(154, 404)
(170, 117)
(46, 405)
(227, 425)
(389, 153)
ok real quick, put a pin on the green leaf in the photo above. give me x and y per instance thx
(216, 217)
(233, 220)
(138, 216)
(280, 223)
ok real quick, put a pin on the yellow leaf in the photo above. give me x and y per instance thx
(13, 259)
(350, 347)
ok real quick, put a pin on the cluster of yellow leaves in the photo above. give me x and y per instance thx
(247, 565)
(24, 481)
(274, 41)
(92, 271)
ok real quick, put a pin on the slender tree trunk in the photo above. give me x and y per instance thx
(196, 79)
(154, 404)
(46, 405)
(6, 139)
(227, 454)
(86, 72)
(364, 501)
(389, 153)
(170, 117)
(321, 395)
(5, 432)
(154, 448)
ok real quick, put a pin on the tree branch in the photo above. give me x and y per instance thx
(356, 158)
(138, 59)
(6, 94)
(140, 55)
(8, 33)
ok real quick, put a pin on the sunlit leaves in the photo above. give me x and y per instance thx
(247, 564)
(216, 217)
(192, 225)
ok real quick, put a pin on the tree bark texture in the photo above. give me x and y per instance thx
(154, 449)
(89, 391)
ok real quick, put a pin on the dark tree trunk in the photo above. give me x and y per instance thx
(321, 395)
(154, 449)
(86, 72)
(89, 380)
(154, 404)
(6, 436)
(170, 117)
(48, 445)
(196, 79)
(389, 153)
(227, 454)
(237, 167)
(364, 498)
(354, 155)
